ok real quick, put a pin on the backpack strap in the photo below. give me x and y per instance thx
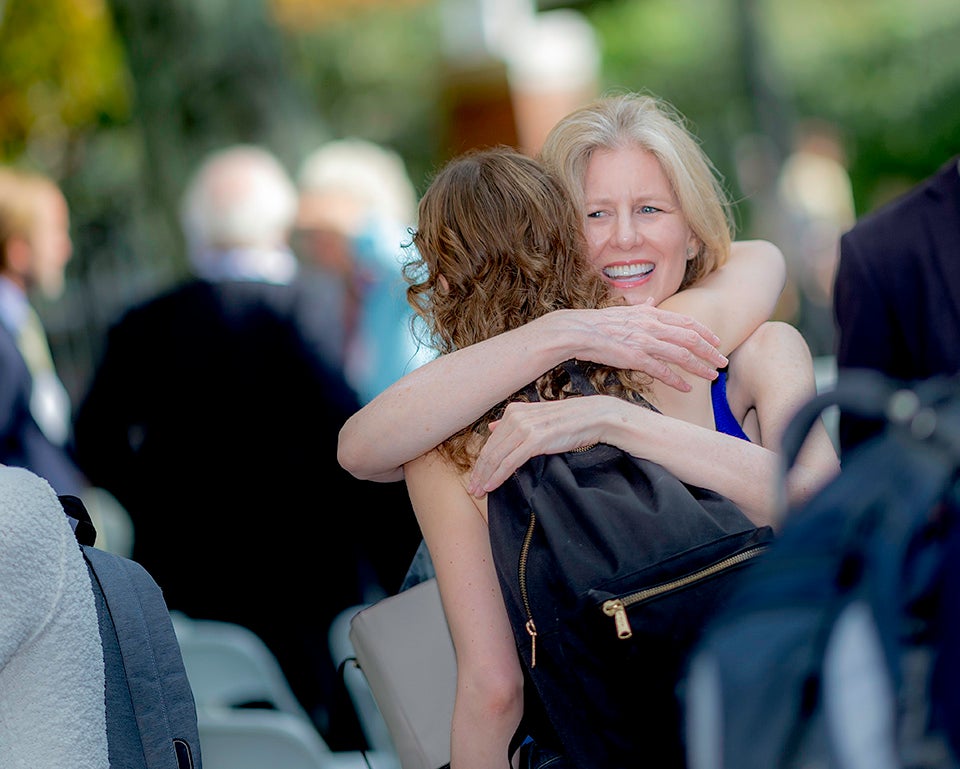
(579, 380)
(79, 518)
(161, 698)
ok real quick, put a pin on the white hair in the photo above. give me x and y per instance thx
(374, 175)
(240, 197)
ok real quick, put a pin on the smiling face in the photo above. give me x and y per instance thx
(637, 234)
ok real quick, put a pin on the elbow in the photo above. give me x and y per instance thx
(497, 695)
(354, 457)
(349, 454)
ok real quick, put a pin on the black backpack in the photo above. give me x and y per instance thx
(841, 649)
(609, 567)
(151, 712)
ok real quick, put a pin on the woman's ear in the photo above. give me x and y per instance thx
(693, 248)
(443, 283)
(17, 256)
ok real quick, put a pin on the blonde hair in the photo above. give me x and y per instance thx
(498, 244)
(626, 120)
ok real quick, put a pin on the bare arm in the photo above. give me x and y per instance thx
(745, 472)
(489, 697)
(773, 373)
(734, 300)
(431, 403)
(771, 376)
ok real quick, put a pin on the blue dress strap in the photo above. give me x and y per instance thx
(723, 417)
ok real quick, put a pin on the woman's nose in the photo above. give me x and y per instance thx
(626, 233)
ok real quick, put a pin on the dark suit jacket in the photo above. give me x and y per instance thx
(897, 290)
(22, 442)
(214, 421)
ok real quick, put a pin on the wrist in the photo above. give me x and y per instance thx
(556, 337)
(564, 334)
(626, 425)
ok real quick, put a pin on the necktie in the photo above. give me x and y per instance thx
(34, 346)
(49, 401)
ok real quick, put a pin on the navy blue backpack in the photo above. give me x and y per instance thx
(841, 648)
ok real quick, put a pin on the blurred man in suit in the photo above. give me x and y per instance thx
(35, 248)
(213, 417)
(897, 290)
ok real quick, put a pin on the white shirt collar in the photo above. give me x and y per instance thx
(268, 265)
(13, 305)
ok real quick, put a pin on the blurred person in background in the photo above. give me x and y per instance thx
(356, 207)
(35, 410)
(213, 417)
(816, 205)
(897, 291)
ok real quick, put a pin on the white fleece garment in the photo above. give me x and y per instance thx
(52, 713)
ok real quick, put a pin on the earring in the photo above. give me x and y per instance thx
(690, 253)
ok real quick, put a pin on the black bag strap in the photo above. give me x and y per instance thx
(79, 517)
(872, 395)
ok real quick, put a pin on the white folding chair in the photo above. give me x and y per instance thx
(368, 713)
(228, 665)
(268, 739)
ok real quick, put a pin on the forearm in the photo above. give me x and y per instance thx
(480, 737)
(744, 472)
(430, 404)
(436, 400)
(489, 697)
(735, 299)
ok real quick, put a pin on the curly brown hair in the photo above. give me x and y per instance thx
(498, 244)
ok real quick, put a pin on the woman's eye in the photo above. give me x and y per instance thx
(648, 209)
(594, 214)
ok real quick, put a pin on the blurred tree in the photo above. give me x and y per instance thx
(374, 70)
(884, 72)
(207, 74)
(117, 99)
(61, 77)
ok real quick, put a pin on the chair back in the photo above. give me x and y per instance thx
(229, 666)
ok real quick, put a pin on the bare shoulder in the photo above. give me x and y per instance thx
(771, 375)
(757, 247)
(774, 343)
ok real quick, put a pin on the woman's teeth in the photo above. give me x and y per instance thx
(620, 271)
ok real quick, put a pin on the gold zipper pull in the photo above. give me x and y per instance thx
(532, 630)
(615, 608)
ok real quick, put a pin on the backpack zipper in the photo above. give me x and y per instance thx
(617, 607)
(522, 574)
(530, 626)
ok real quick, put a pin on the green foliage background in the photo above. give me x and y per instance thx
(117, 99)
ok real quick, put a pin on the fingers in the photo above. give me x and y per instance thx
(489, 474)
(703, 364)
(687, 322)
(675, 339)
(660, 370)
(700, 342)
(504, 451)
